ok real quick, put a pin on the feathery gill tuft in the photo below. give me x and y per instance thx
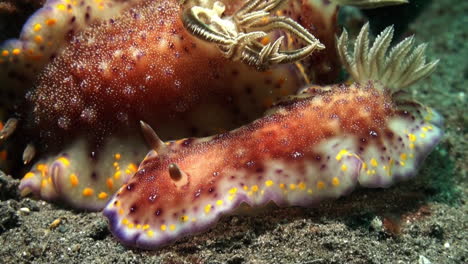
(396, 70)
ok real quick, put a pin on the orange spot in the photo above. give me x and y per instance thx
(16, 51)
(88, 192)
(38, 39)
(320, 185)
(51, 21)
(4, 53)
(132, 167)
(117, 156)
(110, 183)
(73, 180)
(265, 40)
(102, 195)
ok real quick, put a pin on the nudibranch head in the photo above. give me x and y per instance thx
(321, 144)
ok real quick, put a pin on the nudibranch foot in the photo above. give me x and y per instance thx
(81, 178)
(319, 145)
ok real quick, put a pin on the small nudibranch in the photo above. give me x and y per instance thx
(321, 144)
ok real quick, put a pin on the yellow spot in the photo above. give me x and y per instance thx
(184, 218)
(422, 135)
(207, 208)
(73, 180)
(374, 162)
(340, 154)
(282, 186)
(335, 181)
(117, 156)
(411, 155)
(61, 7)
(5, 53)
(88, 192)
(125, 221)
(121, 211)
(301, 186)
(219, 202)
(344, 167)
(16, 51)
(411, 146)
(102, 195)
(37, 27)
(230, 197)
(254, 188)
(309, 191)
(64, 161)
(150, 233)
(146, 227)
(245, 187)
(28, 175)
(402, 163)
(132, 167)
(116, 164)
(233, 191)
(163, 227)
(320, 185)
(51, 21)
(172, 227)
(43, 183)
(269, 183)
(131, 225)
(110, 183)
(412, 137)
(138, 226)
(117, 175)
(424, 129)
(38, 39)
(117, 203)
(292, 186)
(403, 156)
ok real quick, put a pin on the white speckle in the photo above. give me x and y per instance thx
(117, 53)
(24, 210)
(446, 245)
(423, 260)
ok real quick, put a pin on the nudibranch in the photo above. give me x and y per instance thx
(320, 144)
(98, 67)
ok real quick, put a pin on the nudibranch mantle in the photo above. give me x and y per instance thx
(320, 144)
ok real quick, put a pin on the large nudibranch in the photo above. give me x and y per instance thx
(320, 144)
